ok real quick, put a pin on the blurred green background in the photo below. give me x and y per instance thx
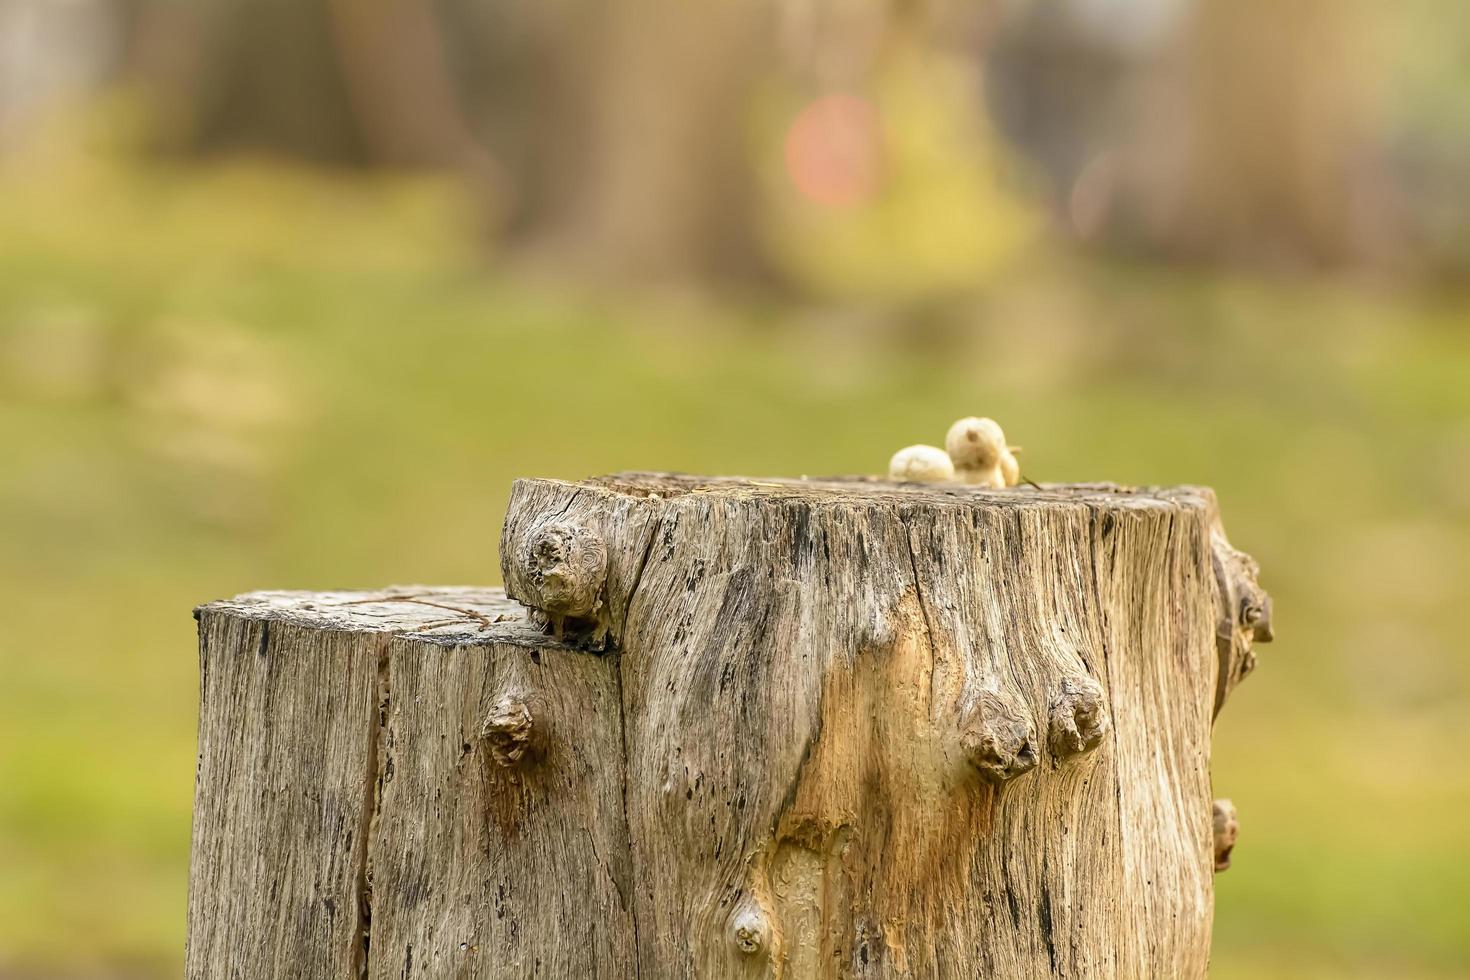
(291, 291)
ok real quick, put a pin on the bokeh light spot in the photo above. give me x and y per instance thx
(833, 150)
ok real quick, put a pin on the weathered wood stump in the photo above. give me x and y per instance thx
(790, 729)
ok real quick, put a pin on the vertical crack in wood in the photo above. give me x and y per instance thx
(1100, 530)
(908, 535)
(658, 526)
(627, 824)
(570, 500)
(203, 690)
(373, 802)
(623, 735)
(1044, 917)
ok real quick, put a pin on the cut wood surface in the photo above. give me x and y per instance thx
(743, 728)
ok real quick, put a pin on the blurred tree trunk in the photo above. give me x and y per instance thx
(256, 75)
(612, 137)
(1278, 131)
(530, 73)
(399, 86)
(345, 82)
(1229, 129)
(670, 189)
(50, 52)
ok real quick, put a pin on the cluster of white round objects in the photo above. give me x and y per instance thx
(974, 453)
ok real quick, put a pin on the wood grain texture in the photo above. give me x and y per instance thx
(746, 729)
(491, 868)
(883, 731)
(354, 817)
(283, 789)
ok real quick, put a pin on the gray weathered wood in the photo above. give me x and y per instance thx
(787, 729)
(485, 864)
(284, 789)
(363, 811)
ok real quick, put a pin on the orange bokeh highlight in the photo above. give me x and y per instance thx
(833, 150)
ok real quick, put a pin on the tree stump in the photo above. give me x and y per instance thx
(793, 729)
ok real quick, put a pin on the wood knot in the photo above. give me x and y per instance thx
(1242, 617)
(565, 566)
(749, 931)
(1226, 828)
(1255, 615)
(998, 739)
(508, 729)
(1079, 717)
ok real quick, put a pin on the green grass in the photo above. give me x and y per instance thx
(247, 377)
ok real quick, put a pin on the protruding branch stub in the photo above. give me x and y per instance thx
(508, 729)
(1242, 613)
(1226, 829)
(559, 572)
(998, 738)
(750, 931)
(1079, 717)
